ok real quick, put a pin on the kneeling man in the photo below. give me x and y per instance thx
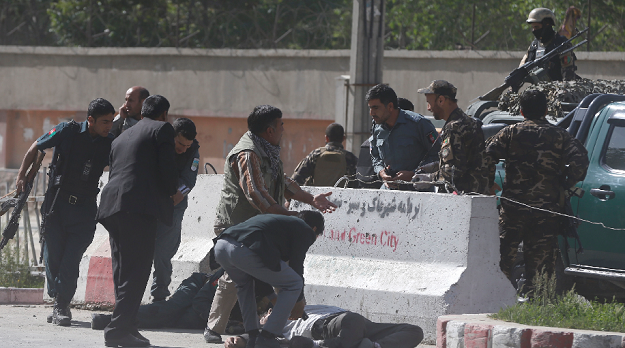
(260, 248)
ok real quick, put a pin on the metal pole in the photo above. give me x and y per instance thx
(30, 234)
(589, 17)
(473, 26)
(25, 217)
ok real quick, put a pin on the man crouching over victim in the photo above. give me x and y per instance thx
(260, 248)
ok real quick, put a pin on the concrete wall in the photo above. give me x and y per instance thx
(391, 256)
(41, 86)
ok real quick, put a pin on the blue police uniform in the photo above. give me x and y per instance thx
(168, 237)
(71, 227)
(411, 142)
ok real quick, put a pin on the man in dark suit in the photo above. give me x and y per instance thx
(142, 179)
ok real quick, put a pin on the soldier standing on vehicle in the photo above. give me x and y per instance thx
(326, 165)
(401, 140)
(462, 150)
(542, 162)
(81, 152)
(560, 68)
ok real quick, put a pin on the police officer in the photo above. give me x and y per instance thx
(542, 21)
(168, 237)
(542, 162)
(81, 152)
(401, 140)
(324, 166)
(462, 151)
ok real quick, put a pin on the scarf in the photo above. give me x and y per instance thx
(273, 151)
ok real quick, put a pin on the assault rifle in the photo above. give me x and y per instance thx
(19, 201)
(517, 76)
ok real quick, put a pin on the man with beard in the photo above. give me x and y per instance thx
(462, 151)
(254, 183)
(401, 140)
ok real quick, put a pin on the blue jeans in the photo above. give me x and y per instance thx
(167, 243)
(243, 265)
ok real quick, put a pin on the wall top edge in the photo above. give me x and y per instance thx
(225, 52)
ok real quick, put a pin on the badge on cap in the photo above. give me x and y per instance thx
(195, 164)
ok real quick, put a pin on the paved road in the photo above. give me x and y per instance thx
(26, 326)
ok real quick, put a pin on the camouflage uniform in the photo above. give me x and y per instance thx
(559, 68)
(304, 172)
(462, 153)
(537, 154)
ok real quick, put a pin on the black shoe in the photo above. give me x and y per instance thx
(211, 336)
(61, 315)
(126, 340)
(139, 336)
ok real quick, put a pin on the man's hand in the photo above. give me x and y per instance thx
(385, 177)
(20, 184)
(322, 203)
(494, 189)
(235, 342)
(404, 175)
(122, 112)
(298, 310)
(177, 197)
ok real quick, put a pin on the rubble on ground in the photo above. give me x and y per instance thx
(559, 92)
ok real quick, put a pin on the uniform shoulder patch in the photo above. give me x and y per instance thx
(195, 164)
(431, 138)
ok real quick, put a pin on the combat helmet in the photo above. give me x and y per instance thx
(538, 15)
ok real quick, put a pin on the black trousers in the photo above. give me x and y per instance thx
(348, 329)
(132, 239)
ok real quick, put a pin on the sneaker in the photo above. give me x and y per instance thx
(265, 342)
(61, 315)
(211, 336)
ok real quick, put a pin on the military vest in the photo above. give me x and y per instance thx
(233, 206)
(330, 167)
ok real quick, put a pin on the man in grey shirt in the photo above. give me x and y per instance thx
(401, 140)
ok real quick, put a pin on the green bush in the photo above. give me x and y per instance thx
(569, 310)
(16, 274)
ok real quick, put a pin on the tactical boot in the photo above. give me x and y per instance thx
(61, 315)
(49, 317)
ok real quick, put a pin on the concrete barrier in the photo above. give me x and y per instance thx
(408, 257)
(391, 256)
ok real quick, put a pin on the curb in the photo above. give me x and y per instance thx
(21, 295)
(479, 331)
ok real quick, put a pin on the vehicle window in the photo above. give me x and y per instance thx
(615, 152)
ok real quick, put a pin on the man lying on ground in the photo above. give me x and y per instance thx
(334, 327)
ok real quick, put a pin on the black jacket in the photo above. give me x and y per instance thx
(273, 238)
(142, 174)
